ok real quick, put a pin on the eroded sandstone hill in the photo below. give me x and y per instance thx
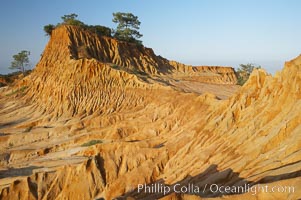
(98, 117)
(85, 62)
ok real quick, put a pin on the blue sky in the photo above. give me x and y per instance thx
(196, 32)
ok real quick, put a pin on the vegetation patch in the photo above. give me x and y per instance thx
(20, 90)
(116, 67)
(91, 143)
(28, 129)
(127, 29)
(11, 144)
(244, 71)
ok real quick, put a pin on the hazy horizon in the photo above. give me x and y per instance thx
(195, 33)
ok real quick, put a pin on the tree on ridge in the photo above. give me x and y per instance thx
(48, 29)
(244, 71)
(21, 60)
(127, 28)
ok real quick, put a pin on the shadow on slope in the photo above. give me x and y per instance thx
(15, 172)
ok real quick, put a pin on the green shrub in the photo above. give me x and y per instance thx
(244, 71)
(19, 90)
(116, 67)
(100, 30)
(28, 129)
(91, 142)
(48, 29)
(10, 144)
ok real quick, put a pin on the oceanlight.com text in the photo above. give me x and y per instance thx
(254, 189)
(161, 188)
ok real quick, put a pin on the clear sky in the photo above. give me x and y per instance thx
(196, 32)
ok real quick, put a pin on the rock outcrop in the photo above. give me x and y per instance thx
(98, 117)
(205, 74)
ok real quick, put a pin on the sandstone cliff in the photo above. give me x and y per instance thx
(99, 117)
(206, 74)
(70, 42)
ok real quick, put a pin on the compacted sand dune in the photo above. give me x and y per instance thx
(104, 119)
